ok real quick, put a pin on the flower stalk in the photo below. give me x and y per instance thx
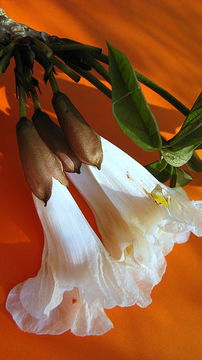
(93, 80)
(53, 83)
(22, 100)
(35, 98)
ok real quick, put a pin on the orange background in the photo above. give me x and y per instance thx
(162, 39)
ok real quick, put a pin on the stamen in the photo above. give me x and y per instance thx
(158, 196)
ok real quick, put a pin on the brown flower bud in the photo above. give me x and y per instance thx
(53, 136)
(39, 163)
(83, 140)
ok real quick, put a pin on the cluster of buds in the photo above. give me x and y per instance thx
(48, 150)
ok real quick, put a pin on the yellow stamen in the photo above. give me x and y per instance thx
(128, 249)
(158, 196)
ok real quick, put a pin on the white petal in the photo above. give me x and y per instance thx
(70, 240)
(125, 212)
(128, 185)
(82, 318)
(123, 216)
(136, 225)
(90, 320)
(168, 239)
(197, 204)
(142, 274)
(77, 276)
(43, 286)
(184, 215)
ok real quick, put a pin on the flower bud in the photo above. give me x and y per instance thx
(83, 140)
(53, 136)
(39, 163)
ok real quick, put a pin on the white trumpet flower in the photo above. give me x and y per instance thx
(139, 219)
(77, 278)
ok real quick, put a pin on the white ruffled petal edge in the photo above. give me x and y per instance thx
(71, 314)
(134, 226)
(78, 278)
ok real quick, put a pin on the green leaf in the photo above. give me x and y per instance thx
(179, 177)
(191, 131)
(160, 169)
(195, 163)
(178, 157)
(129, 105)
(182, 177)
